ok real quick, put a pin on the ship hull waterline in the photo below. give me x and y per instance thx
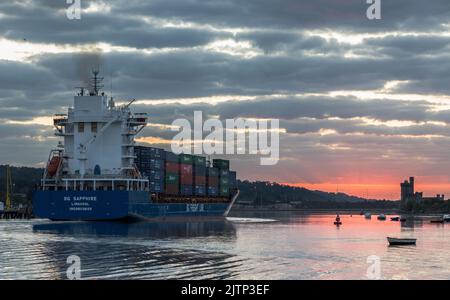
(120, 205)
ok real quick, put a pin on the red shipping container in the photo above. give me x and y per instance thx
(172, 167)
(213, 181)
(186, 169)
(186, 179)
(186, 176)
(200, 180)
(172, 189)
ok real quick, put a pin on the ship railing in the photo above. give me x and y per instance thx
(99, 176)
(58, 117)
(138, 119)
(60, 121)
(97, 183)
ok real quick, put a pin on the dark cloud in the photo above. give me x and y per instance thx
(410, 45)
(44, 24)
(194, 73)
(299, 14)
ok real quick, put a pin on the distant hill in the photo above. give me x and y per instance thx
(252, 193)
(270, 193)
(281, 192)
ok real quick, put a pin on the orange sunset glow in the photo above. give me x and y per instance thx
(375, 191)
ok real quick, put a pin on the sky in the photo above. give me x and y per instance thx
(363, 104)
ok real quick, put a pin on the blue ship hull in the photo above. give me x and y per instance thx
(116, 205)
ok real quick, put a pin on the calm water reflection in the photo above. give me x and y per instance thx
(261, 246)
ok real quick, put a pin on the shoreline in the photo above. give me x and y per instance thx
(335, 211)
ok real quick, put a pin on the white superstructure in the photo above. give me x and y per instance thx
(98, 143)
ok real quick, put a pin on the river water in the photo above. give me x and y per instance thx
(264, 246)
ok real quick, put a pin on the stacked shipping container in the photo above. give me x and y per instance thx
(213, 182)
(199, 176)
(150, 162)
(185, 174)
(172, 177)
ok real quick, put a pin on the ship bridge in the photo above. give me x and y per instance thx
(98, 142)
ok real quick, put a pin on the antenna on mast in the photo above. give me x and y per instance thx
(111, 87)
(96, 83)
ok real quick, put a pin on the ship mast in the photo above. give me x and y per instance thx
(96, 82)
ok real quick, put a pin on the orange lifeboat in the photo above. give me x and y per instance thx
(53, 165)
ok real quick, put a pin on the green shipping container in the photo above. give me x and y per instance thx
(222, 164)
(224, 191)
(224, 181)
(199, 160)
(186, 159)
(172, 178)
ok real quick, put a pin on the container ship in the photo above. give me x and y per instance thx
(100, 173)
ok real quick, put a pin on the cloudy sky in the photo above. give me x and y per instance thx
(363, 103)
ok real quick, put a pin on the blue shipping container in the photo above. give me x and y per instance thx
(157, 153)
(154, 175)
(213, 172)
(233, 181)
(157, 186)
(186, 190)
(213, 191)
(172, 157)
(223, 173)
(156, 164)
(151, 164)
(199, 170)
(200, 190)
(146, 153)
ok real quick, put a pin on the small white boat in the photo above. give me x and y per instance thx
(367, 215)
(381, 217)
(446, 218)
(398, 242)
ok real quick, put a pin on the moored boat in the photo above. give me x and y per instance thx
(381, 217)
(401, 241)
(395, 219)
(437, 221)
